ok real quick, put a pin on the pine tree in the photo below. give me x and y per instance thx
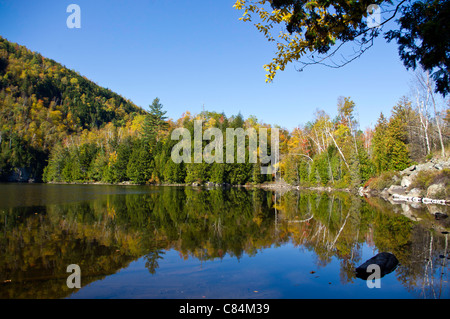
(174, 173)
(379, 145)
(218, 173)
(96, 171)
(256, 173)
(154, 123)
(139, 168)
(390, 151)
(366, 167)
(123, 155)
(397, 137)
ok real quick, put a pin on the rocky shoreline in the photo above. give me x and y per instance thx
(402, 190)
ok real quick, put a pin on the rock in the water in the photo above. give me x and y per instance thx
(386, 261)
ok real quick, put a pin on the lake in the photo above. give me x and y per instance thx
(192, 242)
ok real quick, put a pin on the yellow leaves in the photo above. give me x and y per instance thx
(251, 121)
(342, 130)
(136, 124)
(55, 116)
(112, 159)
(257, 220)
(286, 53)
(311, 5)
(210, 123)
(239, 4)
(285, 16)
(110, 105)
(290, 47)
(265, 30)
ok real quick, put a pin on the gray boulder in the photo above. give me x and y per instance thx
(396, 189)
(408, 179)
(408, 171)
(436, 190)
(415, 192)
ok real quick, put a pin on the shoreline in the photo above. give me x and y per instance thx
(391, 197)
(272, 185)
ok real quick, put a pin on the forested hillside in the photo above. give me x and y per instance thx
(42, 103)
(58, 125)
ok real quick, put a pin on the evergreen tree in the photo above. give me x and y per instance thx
(390, 151)
(174, 173)
(154, 123)
(366, 166)
(397, 136)
(139, 168)
(257, 177)
(218, 173)
(379, 145)
(97, 167)
(197, 172)
(123, 156)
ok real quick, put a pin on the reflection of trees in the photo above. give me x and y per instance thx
(342, 223)
(38, 245)
(105, 234)
(426, 269)
(151, 258)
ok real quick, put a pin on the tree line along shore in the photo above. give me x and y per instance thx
(57, 126)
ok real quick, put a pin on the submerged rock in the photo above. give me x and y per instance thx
(386, 261)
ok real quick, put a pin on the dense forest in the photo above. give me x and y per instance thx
(57, 126)
(42, 103)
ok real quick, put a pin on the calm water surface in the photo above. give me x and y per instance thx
(177, 242)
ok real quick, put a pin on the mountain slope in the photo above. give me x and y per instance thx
(42, 102)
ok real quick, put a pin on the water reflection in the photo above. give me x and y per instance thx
(116, 226)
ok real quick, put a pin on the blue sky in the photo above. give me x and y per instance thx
(194, 53)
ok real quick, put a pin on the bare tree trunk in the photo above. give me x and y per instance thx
(424, 80)
(436, 117)
(315, 139)
(424, 120)
(339, 149)
(353, 133)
